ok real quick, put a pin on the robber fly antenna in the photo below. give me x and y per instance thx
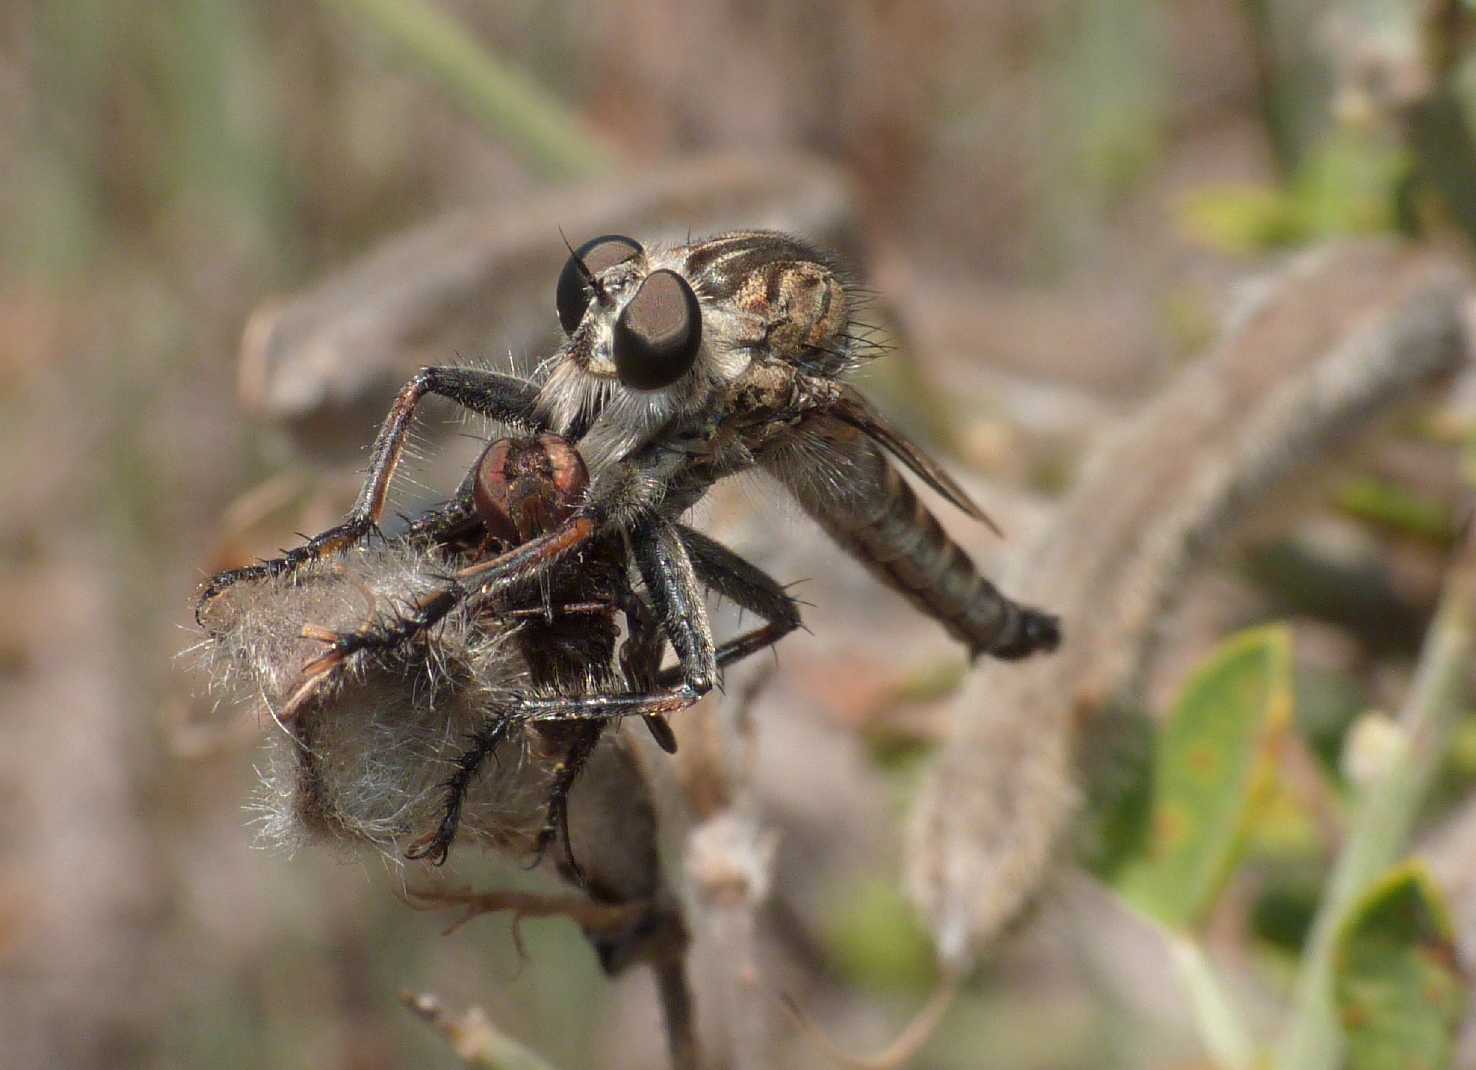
(600, 293)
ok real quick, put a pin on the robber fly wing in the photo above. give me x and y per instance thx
(855, 410)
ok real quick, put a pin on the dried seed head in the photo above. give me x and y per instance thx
(365, 758)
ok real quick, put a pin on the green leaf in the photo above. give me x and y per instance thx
(1116, 769)
(1398, 989)
(1213, 766)
(877, 940)
(1241, 218)
(1345, 185)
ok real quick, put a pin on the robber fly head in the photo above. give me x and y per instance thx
(658, 333)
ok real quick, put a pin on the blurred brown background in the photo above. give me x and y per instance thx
(1055, 202)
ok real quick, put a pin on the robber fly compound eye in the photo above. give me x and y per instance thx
(658, 333)
(578, 282)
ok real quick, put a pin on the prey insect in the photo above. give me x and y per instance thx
(682, 366)
(559, 627)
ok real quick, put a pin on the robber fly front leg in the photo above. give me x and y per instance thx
(624, 492)
(676, 595)
(750, 587)
(502, 397)
(489, 579)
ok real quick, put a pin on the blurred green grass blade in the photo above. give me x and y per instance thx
(1397, 987)
(58, 175)
(1345, 185)
(1213, 763)
(1241, 218)
(535, 124)
(1385, 813)
(1397, 508)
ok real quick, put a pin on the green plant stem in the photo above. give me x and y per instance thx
(1225, 1038)
(1272, 96)
(1436, 125)
(1385, 813)
(553, 141)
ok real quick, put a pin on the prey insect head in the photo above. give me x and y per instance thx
(526, 488)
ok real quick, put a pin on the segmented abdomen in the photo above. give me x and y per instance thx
(842, 479)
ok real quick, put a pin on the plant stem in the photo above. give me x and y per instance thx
(1385, 813)
(1224, 1036)
(1270, 91)
(553, 141)
(476, 1041)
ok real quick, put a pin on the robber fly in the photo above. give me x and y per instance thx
(397, 611)
(682, 366)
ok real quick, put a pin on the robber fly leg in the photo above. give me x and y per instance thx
(448, 522)
(675, 563)
(582, 740)
(718, 569)
(541, 711)
(503, 397)
(485, 741)
(556, 814)
(721, 570)
(640, 661)
(676, 596)
(489, 578)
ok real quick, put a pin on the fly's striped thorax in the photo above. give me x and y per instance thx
(795, 291)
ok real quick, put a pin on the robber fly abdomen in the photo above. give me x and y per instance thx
(869, 510)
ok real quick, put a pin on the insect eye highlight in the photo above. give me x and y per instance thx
(596, 255)
(658, 333)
